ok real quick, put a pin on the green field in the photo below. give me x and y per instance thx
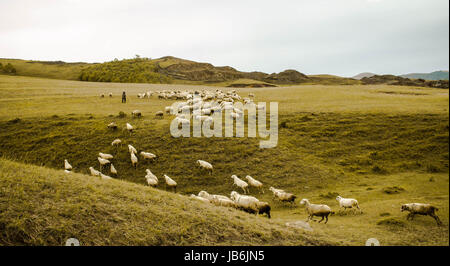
(358, 141)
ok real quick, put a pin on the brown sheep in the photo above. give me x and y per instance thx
(263, 207)
(422, 209)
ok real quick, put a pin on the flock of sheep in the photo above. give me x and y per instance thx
(200, 108)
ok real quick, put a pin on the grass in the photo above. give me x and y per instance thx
(40, 206)
(348, 140)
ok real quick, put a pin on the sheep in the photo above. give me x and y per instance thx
(67, 165)
(251, 95)
(94, 172)
(152, 180)
(168, 109)
(102, 95)
(136, 113)
(347, 203)
(421, 209)
(130, 128)
(134, 159)
(110, 94)
(254, 183)
(159, 114)
(147, 155)
(105, 156)
(316, 210)
(116, 142)
(131, 149)
(112, 126)
(102, 162)
(205, 165)
(283, 195)
(262, 206)
(105, 177)
(240, 183)
(199, 198)
(170, 182)
(218, 200)
(247, 203)
(113, 170)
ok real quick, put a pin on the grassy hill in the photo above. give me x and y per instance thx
(436, 75)
(384, 145)
(165, 70)
(40, 206)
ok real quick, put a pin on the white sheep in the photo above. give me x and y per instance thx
(134, 159)
(94, 172)
(112, 125)
(136, 113)
(421, 209)
(102, 162)
(131, 149)
(130, 128)
(283, 195)
(347, 203)
(67, 165)
(321, 210)
(205, 165)
(248, 203)
(218, 200)
(152, 180)
(254, 183)
(105, 177)
(105, 156)
(148, 155)
(159, 114)
(116, 142)
(113, 170)
(168, 109)
(240, 183)
(199, 198)
(171, 183)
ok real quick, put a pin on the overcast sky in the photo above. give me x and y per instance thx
(342, 37)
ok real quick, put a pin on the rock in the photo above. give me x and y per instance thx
(300, 224)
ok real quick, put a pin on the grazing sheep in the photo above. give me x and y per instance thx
(110, 94)
(218, 200)
(131, 149)
(171, 183)
(136, 113)
(134, 160)
(152, 180)
(113, 170)
(199, 198)
(105, 156)
(347, 203)
(283, 195)
(255, 183)
(130, 128)
(116, 142)
(159, 114)
(168, 109)
(112, 125)
(247, 203)
(102, 95)
(148, 155)
(251, 95)
(94, 172)
(205, 165)
(105, 177)
(316, 210)
(102, 162)
(240, 183)
(67, 165)
(421, 209)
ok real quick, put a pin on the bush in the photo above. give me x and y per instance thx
(393, 190)
(122, 114)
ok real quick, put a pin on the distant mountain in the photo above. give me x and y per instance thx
(436, 75)
(363, 75)
(401, 81)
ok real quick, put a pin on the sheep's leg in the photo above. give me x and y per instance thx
(323, 217)
(438, 221)
(412, 216)
(326, 221)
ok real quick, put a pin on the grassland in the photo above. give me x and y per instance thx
(356, 141)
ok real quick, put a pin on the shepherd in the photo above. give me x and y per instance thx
(124, 97)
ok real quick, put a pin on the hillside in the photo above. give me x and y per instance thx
(400, 81)
(41, 206)
(436, 75)
(384, 145)
(165, 70)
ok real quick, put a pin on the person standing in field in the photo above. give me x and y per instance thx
(124, 97)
